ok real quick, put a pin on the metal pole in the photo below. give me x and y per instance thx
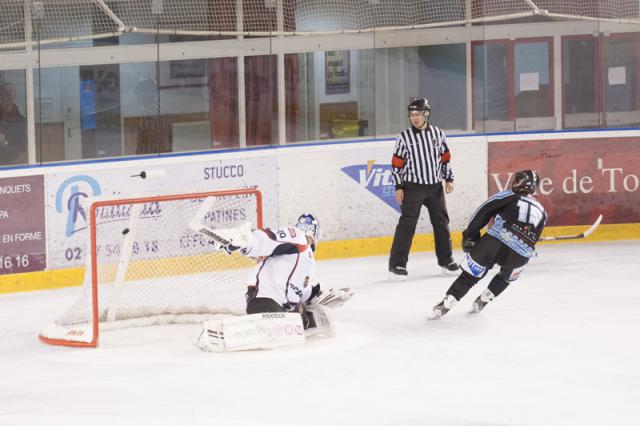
(282, 104)
(242, 108)
(157, 8)
(30, 89)
(469, 71)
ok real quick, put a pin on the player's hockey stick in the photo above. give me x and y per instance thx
(575, 237)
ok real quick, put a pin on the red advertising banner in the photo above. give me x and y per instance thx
(22, 225)
(579, 178)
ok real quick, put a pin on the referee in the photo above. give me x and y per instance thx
(419, 165)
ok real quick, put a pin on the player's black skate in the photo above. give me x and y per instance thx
(451, 268)
(478, 305)
(482, 300)
(443, 307)
(398, 273)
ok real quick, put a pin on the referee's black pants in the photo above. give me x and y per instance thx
(416, 196)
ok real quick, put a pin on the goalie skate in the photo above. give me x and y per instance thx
(322, 324)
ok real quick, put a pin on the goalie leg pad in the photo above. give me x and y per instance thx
(255, 331)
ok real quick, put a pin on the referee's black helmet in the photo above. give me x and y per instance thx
(419, 104)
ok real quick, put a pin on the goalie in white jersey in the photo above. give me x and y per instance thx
(283, 279)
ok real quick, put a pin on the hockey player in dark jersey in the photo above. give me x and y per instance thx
(510, 242)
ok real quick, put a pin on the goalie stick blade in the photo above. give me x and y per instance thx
(578, 236)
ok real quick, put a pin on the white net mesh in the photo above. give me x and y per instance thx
(602, 9)
(59, 20)
(151, 268)
(12, 28)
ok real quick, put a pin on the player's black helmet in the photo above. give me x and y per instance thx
(525, 182)
(419, 104)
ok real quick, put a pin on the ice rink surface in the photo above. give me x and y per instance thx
(561, 346)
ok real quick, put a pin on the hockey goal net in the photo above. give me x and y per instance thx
(145, 266)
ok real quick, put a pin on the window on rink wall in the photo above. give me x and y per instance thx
(620, 80)
(513, 85)
(13, 121)
(490, 87)
(580, 75)
(223, 98)
(300, 90)
(104, 111)
(437, 72)
(78, 112)
(443, 81)
(261, 100)
(601, 85)
(330, 95)
(533, 80)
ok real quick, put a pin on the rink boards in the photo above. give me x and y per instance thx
(346, 184)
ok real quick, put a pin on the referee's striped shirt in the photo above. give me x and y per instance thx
(422, 157)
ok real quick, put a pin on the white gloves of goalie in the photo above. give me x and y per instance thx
(239, 237)
(332, 298)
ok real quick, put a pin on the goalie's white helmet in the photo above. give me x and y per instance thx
(308, 224)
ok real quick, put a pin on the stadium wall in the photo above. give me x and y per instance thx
(347, 184)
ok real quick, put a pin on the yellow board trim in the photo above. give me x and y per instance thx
(42, 280)
(424, 242)
(362, 247)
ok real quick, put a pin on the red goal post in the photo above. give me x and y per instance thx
(145, 266)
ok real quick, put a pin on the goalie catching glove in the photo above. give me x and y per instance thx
(332, 298)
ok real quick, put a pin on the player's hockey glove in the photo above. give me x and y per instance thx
(230, 248)
(467, 243)
(239, 237)
(252, 290)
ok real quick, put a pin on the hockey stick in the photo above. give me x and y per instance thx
(578, 236)
(216, 239)
(196, 225)
(239, 236)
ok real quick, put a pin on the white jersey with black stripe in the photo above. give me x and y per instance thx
(424, 156)
(285, 271)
